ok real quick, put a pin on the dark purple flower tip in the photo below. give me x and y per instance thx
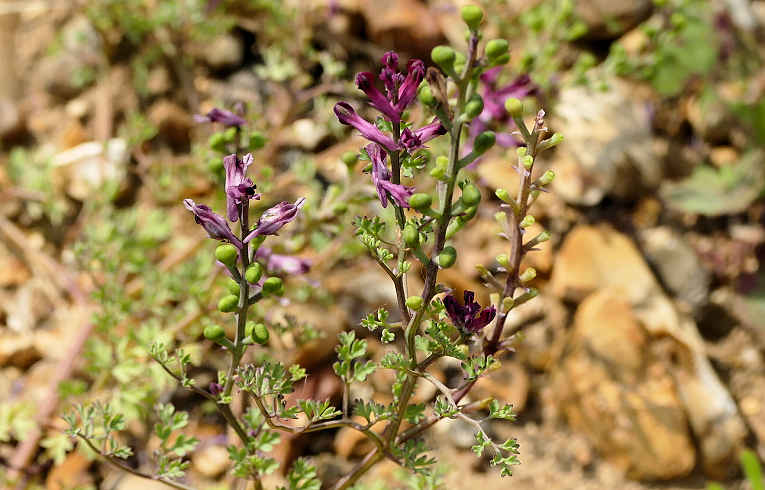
(239, 188)
(346, 115)
(365, 81)
(214, 224)
(408, 89)
(216, 389)
(286, 264)
(469, 317)
(400, 194)
(227, 118)
(274, 218)
(414, 140)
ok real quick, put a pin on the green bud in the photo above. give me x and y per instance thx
(447, 257)
(214, 332)
(257, 140)
(496, 48)
(534, 194)
(258, 332)
(503, 260)
(521, 151)
(442, 160)
(471, 195)
(439, 172)
(542, 237)
(474, 107)
(469, 213)
(527, 161)
(339, 208)
(503, 195)
(678, 20)
(443, 56)
(228, 303)
(349, 158)
(454, 226)
(273, 285)
(414, 302)
(527, 221)
(420, 200)
(459, 61)
(472, 15)
(411, 236)
(528, 275)
(547, 177)
(501, 60)
(215, 165)
(426, 96)
(253, 273)
(500, 217)
(514, 107)
(483, 142)
(217, 142)
(232, 286)
(227, 254)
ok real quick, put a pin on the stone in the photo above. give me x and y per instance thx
(608, 19)
(404, 25)
(71, 473)
(615, 390)
(173, 122)
(210, 461)
(224, 52)
(18, 350)
(307, 133)
(86, 167)
(677, 264)
(608, 147)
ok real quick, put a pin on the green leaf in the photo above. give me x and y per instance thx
(752, 469)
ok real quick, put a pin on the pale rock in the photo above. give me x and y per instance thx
(608, 19)
(307, 133)
(173, 122)
(613, 388)
(722, 156)
(86, 167)
(224, 52)
(608, 146)
(210, 461)
(677, 264)
(401, 24)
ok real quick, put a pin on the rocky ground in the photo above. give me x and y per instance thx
(640, 365)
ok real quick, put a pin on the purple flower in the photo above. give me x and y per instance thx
(287, 264)
(346, 115)
(494, 106)
(400, 194)
(274, 218)
(414, 140)
(469, 317)
(239, 188)
(408, 90)
(227, 118)
(216, 389)
(365, 81)
(214, 224)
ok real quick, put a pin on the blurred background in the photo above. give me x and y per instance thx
(640, 365)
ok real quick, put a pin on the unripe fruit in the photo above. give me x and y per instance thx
(471, 195)
(273, 285)
(501, 60)
(233, 287)
(543, 237)
(258, 332)
(528, 275)
(227, 254)
(514, 107)
(443, 56)
(411, 235)
(527, 221)
(503, 260)
(426, 96)
(527, 161)
(547, 177)
(472, 15)
(469, 213)
(414, 302)
(214, 332)
(496, 48)
(253, 273)
(483, 142)
(474, 107)
(503, 195)
(420, 200)
(350, 158)
(218, 142)
(228, 303)
(447, 257)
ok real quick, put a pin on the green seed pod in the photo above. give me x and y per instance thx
(472, 15)
(228, 303)
(501, 60)
(447, 257)
(443, 56)
(503, 260)
(414, 302)
(471, 195)
(439, 172)
(411, 236)
(426, 96)
(350, 158)
(257, 140)
(547, 177)
(218, 142)
(233, 287)
(459, 61)
(214, 332)
(542, 237)
(469, 213)
(455, 225)
(227, 254)
(521, 151)
(253, 273)
(503, 195)
(273, 285)
(474, 107)
(258, 332)
(420, 200)
(527, 221)
(496, 48)
(528, 275)
(527, 161)
(483, 142)
(514, 107)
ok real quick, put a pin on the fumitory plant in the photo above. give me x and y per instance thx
(423, 327)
